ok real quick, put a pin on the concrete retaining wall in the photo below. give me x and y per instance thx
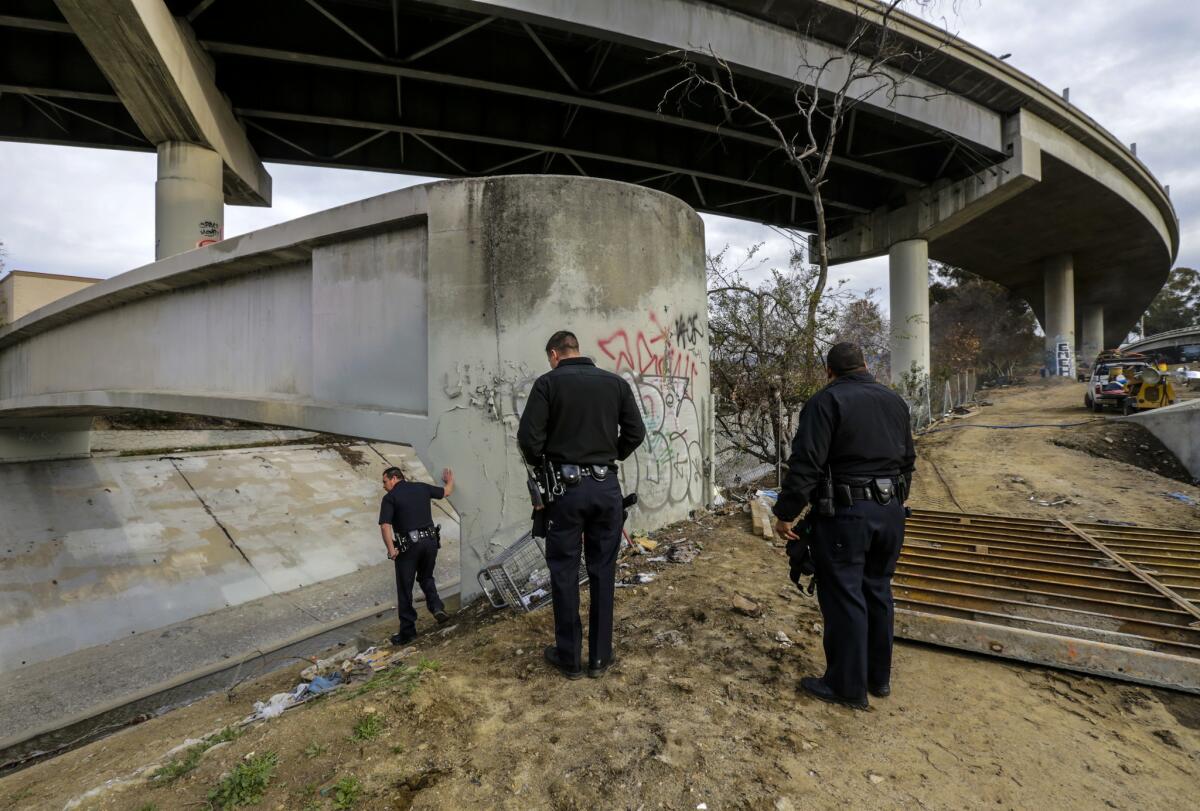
(95, 550)
(1177, 427)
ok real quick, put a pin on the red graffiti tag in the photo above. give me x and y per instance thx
(655, 353)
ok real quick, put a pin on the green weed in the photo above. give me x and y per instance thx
(368, 727)
(402, 677)
(313, 750)
(190, 758)
(246, 784)
(346, 792)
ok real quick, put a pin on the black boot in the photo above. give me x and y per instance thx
(551, 654)
(816, 687)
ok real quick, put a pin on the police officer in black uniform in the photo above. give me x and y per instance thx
(852, 460)
(582, 420)
(412, 541)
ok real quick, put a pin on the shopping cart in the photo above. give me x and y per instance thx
(519, 578)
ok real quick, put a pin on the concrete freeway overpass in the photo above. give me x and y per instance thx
(994, 172)
(1174, 346)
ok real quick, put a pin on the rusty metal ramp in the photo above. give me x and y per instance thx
(1115, 600)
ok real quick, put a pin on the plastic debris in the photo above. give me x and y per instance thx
(322, 666)
(278, 703)
(325, 684)
(1184, 497)
(534, 598)
(638, 579)
(683, 553)
(374, 658)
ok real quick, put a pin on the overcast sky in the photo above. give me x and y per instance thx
(1133, 65)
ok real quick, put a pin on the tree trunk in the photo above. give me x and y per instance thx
(814, 300)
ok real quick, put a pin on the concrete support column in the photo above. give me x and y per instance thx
(1091, 343)
(36, 438)
(908, 282)
(1059, 277)
(189, 204)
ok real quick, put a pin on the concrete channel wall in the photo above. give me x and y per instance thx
(97, 550)
(1177, 427)
(415, 317)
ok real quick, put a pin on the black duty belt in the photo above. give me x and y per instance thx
(406, 540)
(864, 491)
(569, 473)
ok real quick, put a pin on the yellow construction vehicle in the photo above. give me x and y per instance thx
(1149, 388)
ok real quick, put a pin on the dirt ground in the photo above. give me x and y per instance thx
(702, 709)
(1073, 472)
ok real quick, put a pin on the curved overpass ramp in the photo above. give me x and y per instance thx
(1175, 346)
(978, 165)
(417, 317)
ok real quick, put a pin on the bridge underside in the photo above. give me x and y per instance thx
(467, 88)
(452, 89)
(1071, 212)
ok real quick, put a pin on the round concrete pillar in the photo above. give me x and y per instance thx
(1059, 277)
(189, 203)
(1091, 343)
(908, 282)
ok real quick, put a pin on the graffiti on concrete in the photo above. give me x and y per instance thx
(501, 396)
(662, 360)
(662, 363)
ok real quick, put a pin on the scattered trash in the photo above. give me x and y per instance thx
(276, 704)
(374, 658)
(644, 545)
(762, 518)
(638, 579)
(534, 598)
(1184, 497)
(669, 639)
(684, 553)
(322, 666)
(323, 684)
(746, 606)
(875, 778)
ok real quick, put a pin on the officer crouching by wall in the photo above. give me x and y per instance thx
(579, 421)
(412, 541)
(852, 460)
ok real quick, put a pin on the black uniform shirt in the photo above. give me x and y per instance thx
(406, 506)
(856, 427)
(573, 414)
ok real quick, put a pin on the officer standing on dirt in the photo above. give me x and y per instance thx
(581, 420)
(412, 541)
(852, 460)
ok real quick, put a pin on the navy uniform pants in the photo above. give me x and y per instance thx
(855, 555)
(589, 510)
(417, 563)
